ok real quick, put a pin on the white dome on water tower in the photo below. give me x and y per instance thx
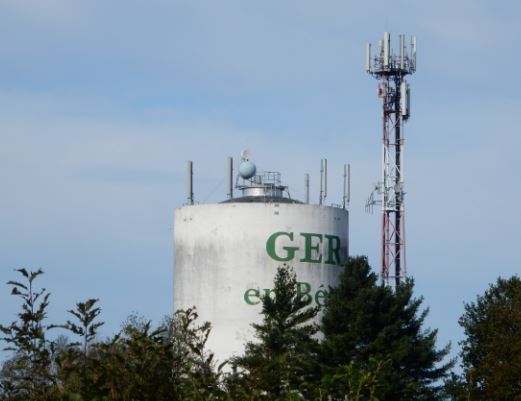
(247, 169)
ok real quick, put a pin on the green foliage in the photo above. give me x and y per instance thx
(351, 383)
(366, 322)
(140, 363)
(491, 351)
(374, 349)
(282, 364)
(28, 374)
(193, 367)
(456, 388)
(134, 364)
(143, 363)
(76, 361)
(85, 313)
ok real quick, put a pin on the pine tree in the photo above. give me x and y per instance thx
(281, 364)
(366, 323)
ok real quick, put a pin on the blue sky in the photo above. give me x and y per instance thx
(102, 103)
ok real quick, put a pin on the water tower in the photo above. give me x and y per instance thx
(227, 254)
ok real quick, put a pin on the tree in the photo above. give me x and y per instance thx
(349, 382)
(28, 374)
(135, 365)
(281, 364)
(166, 363)
(193, 372)
(75, 361)
(455, 388)
(85, 313)
(141, 362)
(491, 351)
(365, 323)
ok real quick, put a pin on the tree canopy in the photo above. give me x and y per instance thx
(374, 326)
(371, 346)
(491, 350)
(28, 374)
(169, 362)
(282, 363)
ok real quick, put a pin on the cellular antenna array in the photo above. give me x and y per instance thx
(390, 69)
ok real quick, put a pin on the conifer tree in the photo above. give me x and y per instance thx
(281, 364)
(365, 322)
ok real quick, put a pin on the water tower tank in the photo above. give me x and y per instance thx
(227, 254)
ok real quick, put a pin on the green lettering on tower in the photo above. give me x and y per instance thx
(271, 246)
(312, 252)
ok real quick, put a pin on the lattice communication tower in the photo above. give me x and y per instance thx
(390, 69)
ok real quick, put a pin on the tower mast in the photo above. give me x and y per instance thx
(390, 70)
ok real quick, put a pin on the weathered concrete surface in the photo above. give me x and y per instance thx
(222, 262)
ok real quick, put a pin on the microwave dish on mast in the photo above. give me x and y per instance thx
(245, 154)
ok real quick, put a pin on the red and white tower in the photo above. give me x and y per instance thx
(390, 70)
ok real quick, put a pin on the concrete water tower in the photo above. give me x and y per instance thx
(226, 254)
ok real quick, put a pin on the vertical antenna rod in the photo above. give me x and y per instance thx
(230, 177)
(325, 179)
(390, 71)
(306, 185)
(347, 186)
(190, 188)
(321, 182)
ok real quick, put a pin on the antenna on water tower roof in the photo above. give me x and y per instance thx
(323, 181)
(230, 177)
(190, 188)
(347, 186)
(306, 185)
